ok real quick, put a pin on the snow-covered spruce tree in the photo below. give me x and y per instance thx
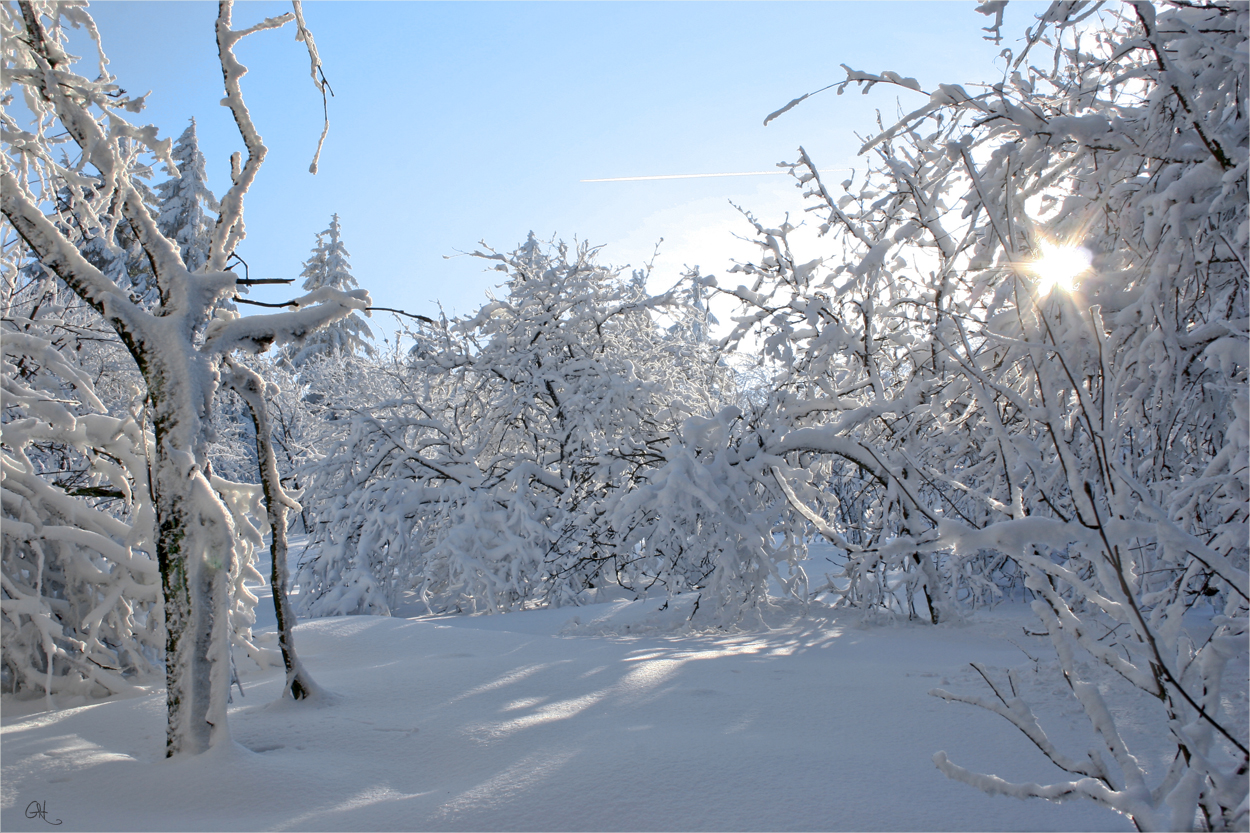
(488, 481)
(195, 531)
(186, 207)
(182, 202)
(328, 267)
(1030, 339)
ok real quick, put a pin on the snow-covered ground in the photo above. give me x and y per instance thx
(594, 718)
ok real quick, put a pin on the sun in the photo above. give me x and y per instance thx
(1059, 266)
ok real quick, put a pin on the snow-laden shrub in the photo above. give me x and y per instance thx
(81, 600)
(711, 519)
(1091, 427)
(488, 481)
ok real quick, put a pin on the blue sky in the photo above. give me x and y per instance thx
(459, 122)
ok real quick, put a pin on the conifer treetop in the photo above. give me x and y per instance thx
(328, 267)
(183, 201)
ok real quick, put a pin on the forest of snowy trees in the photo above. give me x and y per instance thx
(1013, 365)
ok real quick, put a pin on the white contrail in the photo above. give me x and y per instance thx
(698, 176)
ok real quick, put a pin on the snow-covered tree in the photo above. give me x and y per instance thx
(179, 346)
(83, 607)
(328, 266)
(1025, 350)
(185, 213)
(488, 477)
(249, 386)
(710, 518)
(81, 592)
(184, 202)
(119, 257)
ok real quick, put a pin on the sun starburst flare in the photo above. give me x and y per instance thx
(1059, 266)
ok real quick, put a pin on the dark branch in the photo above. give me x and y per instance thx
(401, 312)
(239, 300)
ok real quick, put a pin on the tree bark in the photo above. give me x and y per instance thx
(195, 551)
(249, 385)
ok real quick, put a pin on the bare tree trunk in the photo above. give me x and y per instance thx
(249, 385)
(195, 551)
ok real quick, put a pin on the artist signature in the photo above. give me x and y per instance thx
(35, 810)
